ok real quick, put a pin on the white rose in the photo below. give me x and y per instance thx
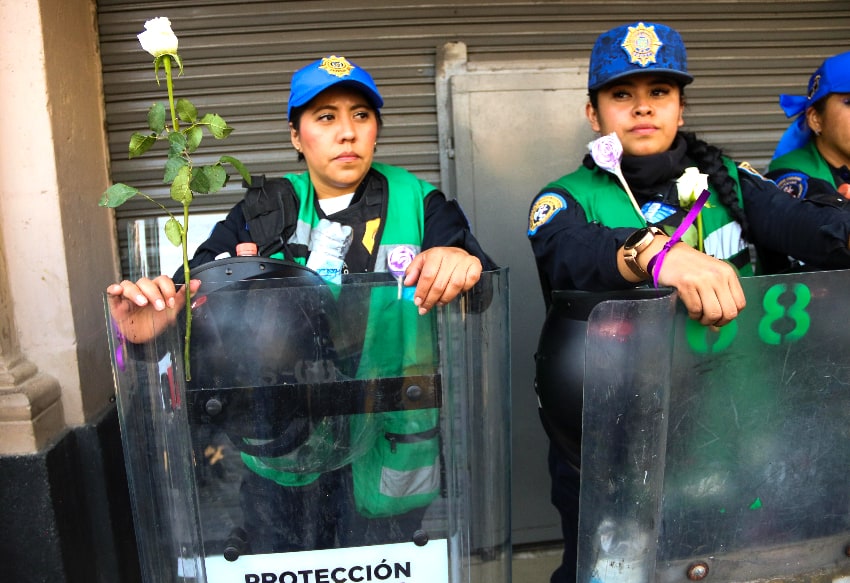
(690, 185)
(158, 38)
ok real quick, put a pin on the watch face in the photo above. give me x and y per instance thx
(636, 237)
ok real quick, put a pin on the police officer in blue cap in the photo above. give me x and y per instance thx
(811, 160)
(355, 215)
(655, 205)
(334, 113)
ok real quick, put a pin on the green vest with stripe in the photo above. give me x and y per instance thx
(399, 471)
(605, 202)
(806, 160)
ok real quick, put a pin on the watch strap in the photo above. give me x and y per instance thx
(630, 253)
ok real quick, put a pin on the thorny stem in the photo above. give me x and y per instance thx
(170, 85)
(188, 308)
(183, 235)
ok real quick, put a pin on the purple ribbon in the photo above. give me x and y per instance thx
(119, 350)
(654, 265)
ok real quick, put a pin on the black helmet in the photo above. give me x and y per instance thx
(261, 351)
(560, 362)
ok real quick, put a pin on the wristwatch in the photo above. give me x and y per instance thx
(635, 244)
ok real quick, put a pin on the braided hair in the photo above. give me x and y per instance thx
(709, 161)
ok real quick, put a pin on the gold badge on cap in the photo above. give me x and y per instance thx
(642, 44)
(336, 66)
(815, 87)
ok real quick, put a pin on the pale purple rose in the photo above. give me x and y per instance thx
(399, 258)
(607, 152)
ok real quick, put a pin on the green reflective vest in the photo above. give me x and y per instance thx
(398, 469)
(806, 160)
(605, 202)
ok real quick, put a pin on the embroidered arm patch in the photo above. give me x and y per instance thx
(796, 184)
(546, 206)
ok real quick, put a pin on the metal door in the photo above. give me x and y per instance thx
(505, 133)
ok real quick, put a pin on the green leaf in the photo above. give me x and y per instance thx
(209, 179)
(159, 60)
(174, 231)
(180, 190)
(178, 143)
(177, 60)
(117, 194)
(194, 135)
(140, 143)
(186, 111)
(240, 167)
(172, 167)
(156, 118)
(218, 127)
(156, 64)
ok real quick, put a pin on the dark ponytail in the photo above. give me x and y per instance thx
(709, 161)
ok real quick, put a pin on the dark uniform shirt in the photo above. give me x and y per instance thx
(445, 226)
(573, 253)
(815, 190)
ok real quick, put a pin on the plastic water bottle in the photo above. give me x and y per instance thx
(329, 242)
(621, 553)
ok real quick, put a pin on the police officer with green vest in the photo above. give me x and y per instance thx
(812, 158)
(636, 218)
(385, 219)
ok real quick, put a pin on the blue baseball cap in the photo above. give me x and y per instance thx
(326, 72)
(637, 48)
(833, 76)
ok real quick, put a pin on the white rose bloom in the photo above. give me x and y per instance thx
(158, 38)
(690, 185)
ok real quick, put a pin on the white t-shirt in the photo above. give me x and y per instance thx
(333, 205)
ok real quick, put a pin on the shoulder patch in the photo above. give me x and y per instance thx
(795, 184)
(546, 206)
(748, 168)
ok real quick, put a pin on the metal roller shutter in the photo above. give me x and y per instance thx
(239, 57)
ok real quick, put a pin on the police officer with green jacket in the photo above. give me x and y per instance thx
(812, 158)
(384, 219)
(637, 218)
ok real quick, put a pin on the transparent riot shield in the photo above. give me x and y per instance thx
(327, 432)
(718, 455)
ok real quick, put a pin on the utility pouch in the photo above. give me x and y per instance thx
(402, 471)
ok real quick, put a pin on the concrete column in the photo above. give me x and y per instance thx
(58, 246)
(30, 405)
(65, 507)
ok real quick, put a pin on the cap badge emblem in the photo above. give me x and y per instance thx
(642, 44)
(336, 66)
(814, 88)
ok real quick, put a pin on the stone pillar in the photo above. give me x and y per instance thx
(64, 500)
(30, 405)
(31, 412)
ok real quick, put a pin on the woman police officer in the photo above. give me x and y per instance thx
(334, 122)
(812, 158)
(587, 233)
